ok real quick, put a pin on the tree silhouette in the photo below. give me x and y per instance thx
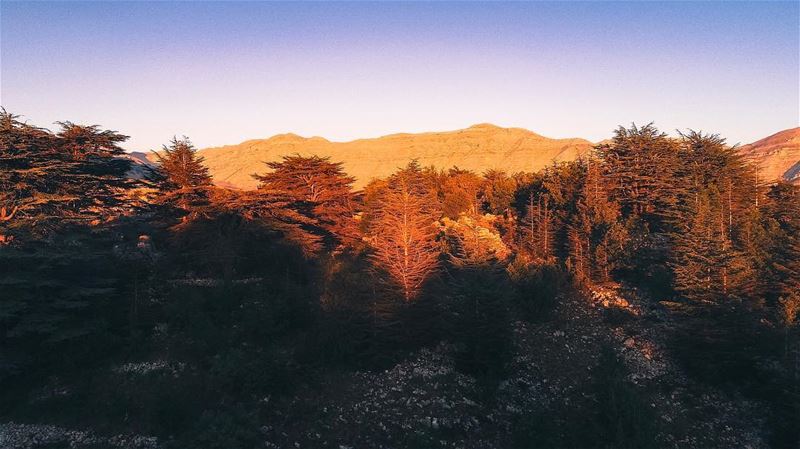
(49, 181)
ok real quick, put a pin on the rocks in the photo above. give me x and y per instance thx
(32, 436)
(144, 368)
(609, 297)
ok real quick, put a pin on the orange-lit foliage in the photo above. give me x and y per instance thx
(52, 180)
(182, 178)
(460, 193)
(538, 228)
(403, 232)
(321, 188)
(594, 237)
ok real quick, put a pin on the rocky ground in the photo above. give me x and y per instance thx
(425, 402)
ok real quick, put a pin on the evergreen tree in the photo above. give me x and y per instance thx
(183, 181)
(403, 231)
(595, 236)
(782, 214)
(538, 228)
(62, 193)
(321, 187)
(642, 165)
(497, 192)
(179, 166)
(460, 193)
(50, 181)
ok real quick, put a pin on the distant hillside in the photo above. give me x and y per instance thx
(778, 156)
(477, 148)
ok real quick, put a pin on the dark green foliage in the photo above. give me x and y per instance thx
(722, 344)
(51, 181)
(229, 428)
(642, 166)
(731, 346)
(58, 303)
(481, 324)
(61, 195)
(537, 288)
(346, 329)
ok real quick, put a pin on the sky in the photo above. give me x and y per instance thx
(225, 72)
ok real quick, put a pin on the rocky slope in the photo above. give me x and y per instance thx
(424, 401)
(477, 148)
(778, 156)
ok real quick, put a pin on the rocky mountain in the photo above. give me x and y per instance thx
(478, 148)
(778, 156)
(140, 162)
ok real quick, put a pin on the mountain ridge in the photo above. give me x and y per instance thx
(478, 147)
(777, 155)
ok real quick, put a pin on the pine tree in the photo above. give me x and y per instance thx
(594, 235)
(184, 182)
(180, 167)
(782, 212)
(538, 228)
(707, 266)
(320, 187)
(403, 231)
(278, 212)
(696, 256)
(642, 165)
(62, 195)
(718, 173)
(50, 181)
(460, 193)
(497, 192)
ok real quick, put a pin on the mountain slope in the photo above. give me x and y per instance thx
(778, 156)
(477, 148)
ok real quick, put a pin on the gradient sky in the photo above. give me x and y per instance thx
(224, 72)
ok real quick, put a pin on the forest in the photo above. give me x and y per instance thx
(646, 295)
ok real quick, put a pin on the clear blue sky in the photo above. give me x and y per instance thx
(223, 72)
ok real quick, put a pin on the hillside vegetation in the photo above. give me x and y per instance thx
(643, 295)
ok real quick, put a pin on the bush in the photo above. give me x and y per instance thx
(537, 288)
(481, 323)
(230, 428)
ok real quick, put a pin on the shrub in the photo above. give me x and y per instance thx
(537, 288)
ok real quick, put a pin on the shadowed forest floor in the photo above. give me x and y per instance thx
(549, 397)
